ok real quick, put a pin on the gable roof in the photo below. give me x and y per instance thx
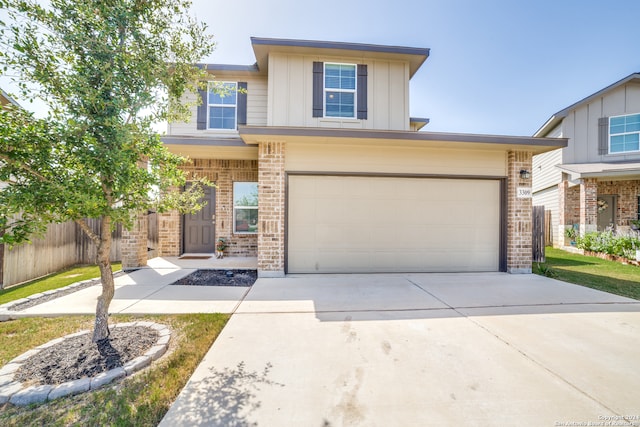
(263, 46)
(557, 117)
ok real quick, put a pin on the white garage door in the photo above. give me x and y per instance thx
(386, 224)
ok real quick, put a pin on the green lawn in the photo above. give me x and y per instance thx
(140, 400)
(592, 272)
(53, 281)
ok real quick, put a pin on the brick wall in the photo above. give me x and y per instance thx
(627, 202)
(169, 237)
(223, 173)
(588, 203)
(271, 195)
(519, 214)
(134, 243)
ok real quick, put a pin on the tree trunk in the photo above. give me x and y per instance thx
(101, 329)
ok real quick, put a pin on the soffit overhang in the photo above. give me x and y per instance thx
(611, 170)
(262, 47)
(254, 135)
(210, 148)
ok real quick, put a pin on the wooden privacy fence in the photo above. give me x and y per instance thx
(538, 234)
(62, 246)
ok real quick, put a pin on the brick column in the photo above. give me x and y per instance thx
(169, 235)
(519, 214)
(134, 243)
(271, 186)
(588, 205)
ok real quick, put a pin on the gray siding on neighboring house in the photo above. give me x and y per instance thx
(545, 174)
(549, 199)
(581, 124)
(545, 180)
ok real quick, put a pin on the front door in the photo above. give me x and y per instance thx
(200, 227)
(606, 212)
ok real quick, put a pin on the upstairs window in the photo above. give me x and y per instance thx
(222, 105)
(624, 133)
(340, 90)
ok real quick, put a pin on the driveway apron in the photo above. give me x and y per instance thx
(419, 350)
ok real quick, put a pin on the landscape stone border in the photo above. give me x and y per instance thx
(18, 394)
(10, 310)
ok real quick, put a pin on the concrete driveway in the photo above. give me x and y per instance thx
(420, 350)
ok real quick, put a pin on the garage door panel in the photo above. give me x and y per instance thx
(362, 224)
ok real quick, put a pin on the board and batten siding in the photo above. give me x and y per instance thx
(393, 159)
(290, 100)
(581, 125)
(256, 109)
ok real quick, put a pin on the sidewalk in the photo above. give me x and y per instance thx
(149, 291)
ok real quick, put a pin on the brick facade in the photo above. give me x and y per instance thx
(169, 235)
(223, 173)
(627, 200)
(134, 243)
(271, 200)
(519, 214)
(579, 203)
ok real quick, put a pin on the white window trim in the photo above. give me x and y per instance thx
(354, 91)
(624, 133)
(235, 106)
(241, 207)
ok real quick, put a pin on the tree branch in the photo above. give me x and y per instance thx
(89, 232)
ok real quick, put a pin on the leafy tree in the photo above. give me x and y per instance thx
(108, 70)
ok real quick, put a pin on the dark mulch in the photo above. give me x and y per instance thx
(79, 357)
(219, 278)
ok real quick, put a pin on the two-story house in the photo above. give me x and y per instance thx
(319, 168)
(595, 180)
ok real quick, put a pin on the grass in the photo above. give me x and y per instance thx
(53, 281)
(592, 272)
(140, 400)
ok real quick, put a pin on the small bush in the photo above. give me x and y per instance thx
(546, 270)
(610, 243)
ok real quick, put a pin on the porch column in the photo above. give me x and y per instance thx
(588, 206)
(271, 202)
(519, 214)
(169, 235)
(134, 243)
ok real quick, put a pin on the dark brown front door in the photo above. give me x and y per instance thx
(200, 228)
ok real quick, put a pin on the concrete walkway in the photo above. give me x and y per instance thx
(149, 291)
(419, 350)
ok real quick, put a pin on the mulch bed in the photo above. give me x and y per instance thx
(219, 278)
(78, 357)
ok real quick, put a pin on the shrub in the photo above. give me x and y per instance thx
(609, 243)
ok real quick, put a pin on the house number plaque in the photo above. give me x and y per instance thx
(524, 193)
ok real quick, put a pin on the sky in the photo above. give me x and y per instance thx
(496, 66)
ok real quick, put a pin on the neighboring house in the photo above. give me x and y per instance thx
(5, 99)
(320, 169)
(594, 181)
